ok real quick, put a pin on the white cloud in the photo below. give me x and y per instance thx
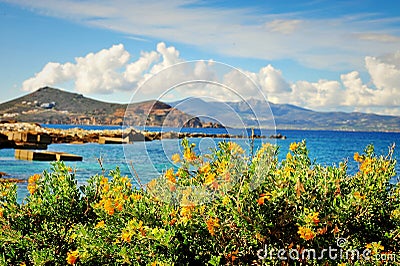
(106, 71)
(284, 26)
(96, 72)
(110, 70)
(272, 81)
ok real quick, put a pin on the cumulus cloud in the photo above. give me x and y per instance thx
(111, 70)
(106, 71)
(96, 72)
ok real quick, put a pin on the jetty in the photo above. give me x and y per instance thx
(45, 156)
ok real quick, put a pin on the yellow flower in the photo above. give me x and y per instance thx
(72, 256)
(152, 184)
(289, 156)
(313, 217)
(186, 211)
(104, 180)
(225, 200)
(367, 166)
(395, 214)
(22, 264)
(100, 224)
(293, 146)
(189, 155)
(306, 233)
(169, 175)
(205, 168)
(209, 178)
(212, 223)
(176, 158)
(235, 148)
(136, 196)
(357, 157)
(357, 195)
(32, 183)
(222, 167)
(374, 247)
(33, 178)
(106, 187)
(126, 236)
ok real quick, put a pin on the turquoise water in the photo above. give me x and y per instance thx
(149, 158)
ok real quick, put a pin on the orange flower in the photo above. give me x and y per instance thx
(31, 188)
(358, 158)
(32, 183)
(104, 180)
(306, 233)
(169, 175)
(108, 207)
(367, 165)
(212, 223)
(357, 195)
(176, 158)
(72, 256)
(314, 217)
(263, 197)
(119, 204)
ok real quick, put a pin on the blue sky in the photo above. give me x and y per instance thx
(323, 55)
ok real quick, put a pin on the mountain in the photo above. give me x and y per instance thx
(286, 116)
(55, 106)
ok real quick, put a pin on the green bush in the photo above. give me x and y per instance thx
(224, 208)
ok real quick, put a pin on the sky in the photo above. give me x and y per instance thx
(323, 55)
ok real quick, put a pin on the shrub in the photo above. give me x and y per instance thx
(223, 208)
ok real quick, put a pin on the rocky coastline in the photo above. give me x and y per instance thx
(34, 136)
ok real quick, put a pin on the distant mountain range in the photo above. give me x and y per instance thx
(50, 105)
(286, 116)
(54, 106)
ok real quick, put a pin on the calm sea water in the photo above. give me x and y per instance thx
(150, 158)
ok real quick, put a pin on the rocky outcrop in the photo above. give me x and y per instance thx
(33, 136)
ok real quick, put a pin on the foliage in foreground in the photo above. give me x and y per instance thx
(218, 209)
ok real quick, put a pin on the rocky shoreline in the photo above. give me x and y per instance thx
(34, 136)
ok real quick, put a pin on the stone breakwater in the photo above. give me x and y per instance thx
(33, 136)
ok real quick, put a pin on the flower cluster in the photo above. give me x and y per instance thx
(212, 209)
(32, 183)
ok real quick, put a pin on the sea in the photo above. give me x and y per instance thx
(147, 160)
